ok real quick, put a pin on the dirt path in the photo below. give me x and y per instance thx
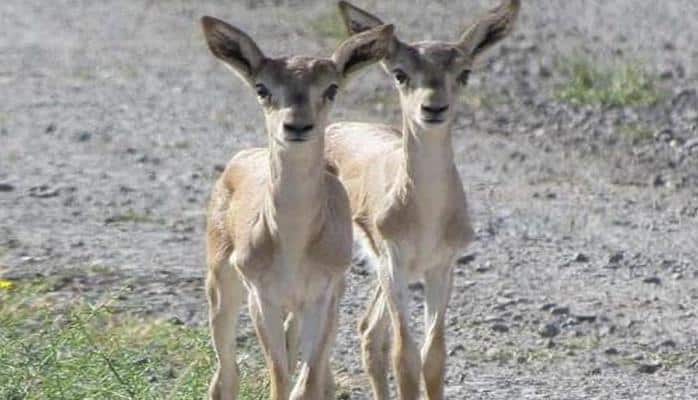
(583, 279)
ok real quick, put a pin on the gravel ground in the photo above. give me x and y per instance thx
(583, 282)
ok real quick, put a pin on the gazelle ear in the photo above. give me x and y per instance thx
(233, 47)
(490, 29)
(363, 49)
(357, 20)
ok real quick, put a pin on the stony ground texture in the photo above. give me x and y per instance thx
(583, 282)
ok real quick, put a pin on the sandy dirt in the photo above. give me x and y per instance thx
(582, 283)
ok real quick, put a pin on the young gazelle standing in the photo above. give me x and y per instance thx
(408, 199)
(279, 223)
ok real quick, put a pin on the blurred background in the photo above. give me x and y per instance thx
(577, 142)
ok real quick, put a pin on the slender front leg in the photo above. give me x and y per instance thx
(318, 320)
(374, 328)
(392, 276)
(330, 386)
(437, 292)
(225, 293)
(268, 322)
(291, 330)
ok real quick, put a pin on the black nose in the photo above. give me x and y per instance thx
(434, 110)
(298, 129)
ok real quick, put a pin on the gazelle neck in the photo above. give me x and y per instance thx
(428, 152)
(295, 188)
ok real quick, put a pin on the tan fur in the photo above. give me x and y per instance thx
(408, 199)
(279, 221)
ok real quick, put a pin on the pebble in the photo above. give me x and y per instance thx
(6, 187)
(615, 258)
(549, 330)
(580, 258)
(611, 351)
(42, 192)
(668, 343)
(560, 310)
(652, 280)
(456, 349)
(585, 318)
(500, 328)
(483, 268)
(649, 368)
(84, 136)
(466, 259)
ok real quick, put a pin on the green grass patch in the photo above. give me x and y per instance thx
(51, 350)
(596, 83)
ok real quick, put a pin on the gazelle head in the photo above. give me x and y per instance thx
(296, 93)
(429, 75)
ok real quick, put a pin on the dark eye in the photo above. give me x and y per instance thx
(331, 92)
(400, 76)
(463, 77)
(262, 91)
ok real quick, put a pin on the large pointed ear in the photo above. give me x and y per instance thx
(363, 49)
(233, 47)
(357, 20)
(491, 28)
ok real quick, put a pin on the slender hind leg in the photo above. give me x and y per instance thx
(373, 329)
(225, 293)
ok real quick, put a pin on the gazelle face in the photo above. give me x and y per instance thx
(429, 75)
(296, 93)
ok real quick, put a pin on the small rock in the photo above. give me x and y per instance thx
(611, 351)
(50, 128)
(658, 181)
(561, 310)
(547, 306)
(580, 258)
(83, 137)
(654, 280)
(615, 258)
(691, 146)
(483, 268)
(649, 368)
(668, 343)
(466, 259)
(218, 167)
(500, 328)
(6, 187)
(42, 192)
(544, 72)
(664, 135)
(456, 349)
(590, 318)
(549, 330)
(175, 320)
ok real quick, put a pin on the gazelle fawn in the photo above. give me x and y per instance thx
(279, 223)
(407, 197)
